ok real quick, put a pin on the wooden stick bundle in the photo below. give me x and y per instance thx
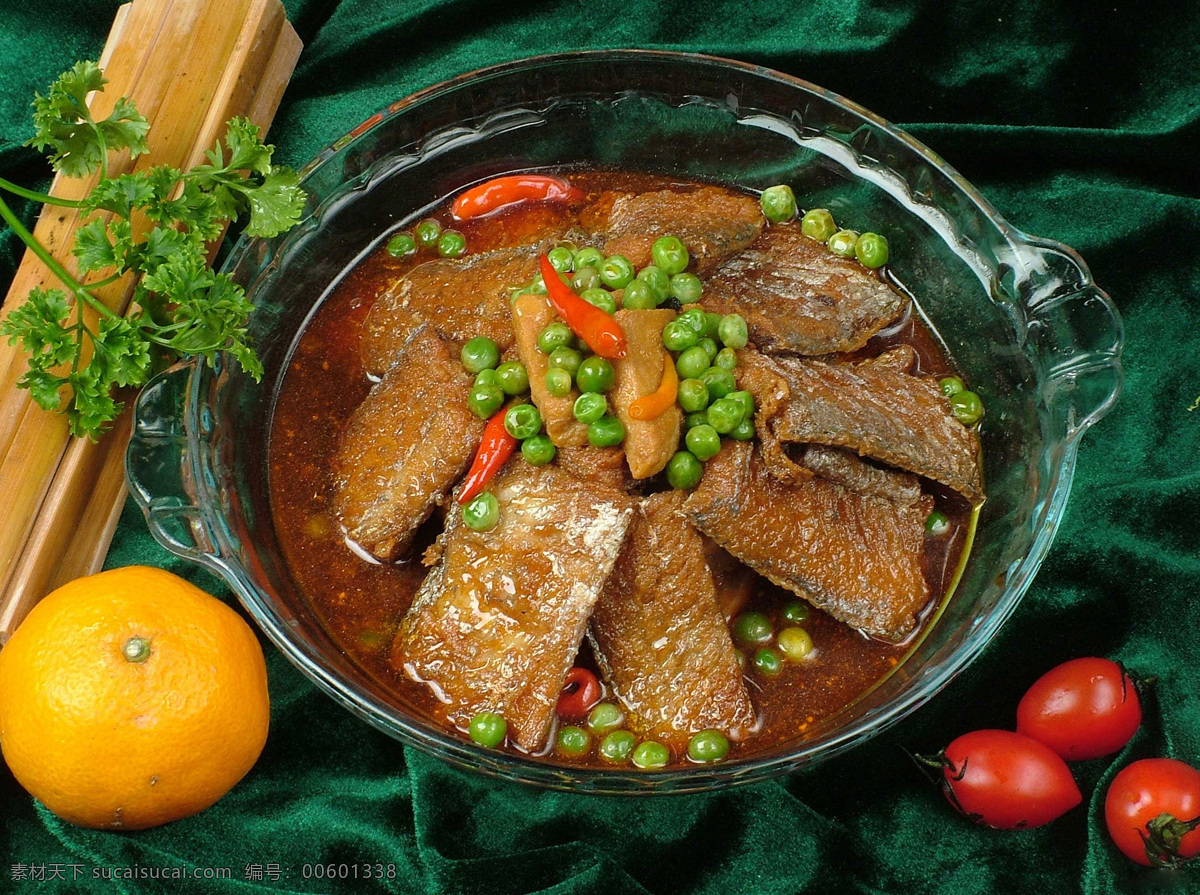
(189, 65)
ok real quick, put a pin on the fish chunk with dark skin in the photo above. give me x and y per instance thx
(497, 623)
(798, 297)
(858, 558)
(397, 460)
(659, 634)
(649, 444)
(712, 222)
(461, 298)
(895, 418)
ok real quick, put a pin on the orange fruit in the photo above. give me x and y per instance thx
(131, 698)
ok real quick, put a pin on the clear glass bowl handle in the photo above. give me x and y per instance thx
(1077, 335)
(158, 470)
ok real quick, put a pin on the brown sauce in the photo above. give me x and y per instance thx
(361, 601)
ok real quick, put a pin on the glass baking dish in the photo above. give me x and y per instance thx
(1020, 315)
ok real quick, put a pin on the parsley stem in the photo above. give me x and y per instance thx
(44, 198)
(46, 258)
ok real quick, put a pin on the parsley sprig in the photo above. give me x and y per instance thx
(181, 306)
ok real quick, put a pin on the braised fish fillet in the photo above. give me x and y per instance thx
(604, 466)
(659, 634)
(496, 624)
(712, 222)
(798, 297)
(896, 418)
(851, 471)
(462, 298)
(857, 558)
(649, 444)
(530, 315)
(405, 446)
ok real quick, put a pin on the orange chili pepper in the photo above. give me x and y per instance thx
(495, 448)
(598, 329)
(655, 404)
(501, 192)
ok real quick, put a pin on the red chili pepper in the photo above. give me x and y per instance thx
(655, 404)
(495, 448)
(502, 192)
(579, 694)
(599, 330)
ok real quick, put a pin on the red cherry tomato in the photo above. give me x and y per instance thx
(1152, 812)
(579, 695)
(1007, 781)
(1081, 709)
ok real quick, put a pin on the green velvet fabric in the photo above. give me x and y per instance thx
(1080, 122)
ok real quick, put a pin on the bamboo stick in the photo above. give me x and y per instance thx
(225, 71)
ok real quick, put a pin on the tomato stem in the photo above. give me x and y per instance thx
(1164, 839)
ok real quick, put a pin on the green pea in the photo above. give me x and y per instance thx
(588, 257)
(692, 362)
(586, 277)
(710, 348)
(743, 431)
(733, 331)
(601, 298)
(650, 754)
(795, 643)
(726, 359)
(967, 407)
(686, 287)
(718, 381)
(538, 450)
(678, 336)
(573, 741)
(427, 232)
(745, 399)
(488, 729)
(485, 399)
(451, 244)
(556, 335)
(559, 382)
(712, 325)
(951, 386)
(606, 432)
(696, 319)
(842, 243)
(617, 746)
(658, 281)
(669, 255)
(796, 612)
(590, 407)
(699, 418)
(639, 296)
(616, 272)
(402, 245)
(566, 359)
(482, 513)
(724, 415)
(595, 375)
(752, 629)
(708, 745)
(767, 662)
(684, 471)
(871, 250)
(513, 377)
(487, 377)
(703, 441)
(605, 717)
(480, 353)
(818, 224)
(937, 524)
(537, 286)
(778, 203)
(692, 395)
(561, 258)
(523, 421)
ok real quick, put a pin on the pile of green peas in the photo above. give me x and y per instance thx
(575, 370)
(753, 630)
(779, 206)
(604, 727)
(705, 346)
(428, 234)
